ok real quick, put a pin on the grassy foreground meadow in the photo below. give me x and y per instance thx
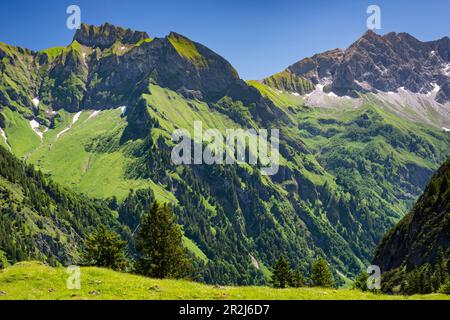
(36, 281)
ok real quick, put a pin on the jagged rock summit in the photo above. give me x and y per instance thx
(106, 35)
(380, 63)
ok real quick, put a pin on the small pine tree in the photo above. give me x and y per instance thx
(360, 282)
(412, 282)
(3, 260)
(321, 275)
(445, 288)
(297, 279)
(160, 245)
(105, 249)
(281, 274)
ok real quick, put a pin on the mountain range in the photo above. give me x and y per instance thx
(362, 131)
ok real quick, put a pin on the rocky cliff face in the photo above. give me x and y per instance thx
(109, 66)
(382, 63)
(106, 35)
(423, 233)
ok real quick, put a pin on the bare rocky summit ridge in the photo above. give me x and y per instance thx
(106, 35)
(382, 63)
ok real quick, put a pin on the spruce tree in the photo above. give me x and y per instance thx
(321, 275)
(445, 287)
(297, 279)
(105, 249)
(159, 243)
(3, 259)
(281, 274)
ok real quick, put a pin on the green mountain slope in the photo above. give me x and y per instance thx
(418, 247)
(41, 220)
(331, 196)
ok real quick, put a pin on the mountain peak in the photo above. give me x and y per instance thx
(369, 36)
(106, 35)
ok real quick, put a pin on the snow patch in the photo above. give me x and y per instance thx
(123, 109)
(93, 115)
(75, 119)
(320, 87)
(446, 129)
(3, 134)
(35, 102)
(447, 70)
(332, 94)
(35, 126)
(436, 89)
(122, 48)
(295, 94)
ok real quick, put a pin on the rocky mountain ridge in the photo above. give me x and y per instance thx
(376, 63)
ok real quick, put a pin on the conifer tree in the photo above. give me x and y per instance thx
(281, 274)
(321, 275)
(297, 279)
(160, 246)
(360, 282)
(105, 249)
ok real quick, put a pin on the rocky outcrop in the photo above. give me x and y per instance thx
(319, 67)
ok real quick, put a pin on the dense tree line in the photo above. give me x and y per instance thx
(284, 276)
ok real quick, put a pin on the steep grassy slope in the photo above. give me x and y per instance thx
(289, 81)
(67, 151)
(415, 255)
(30, 280)
(39, 219)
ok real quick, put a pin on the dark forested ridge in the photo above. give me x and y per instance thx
(415, 254)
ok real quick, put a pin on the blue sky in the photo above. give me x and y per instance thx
(259, 37)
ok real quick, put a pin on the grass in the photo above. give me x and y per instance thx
(175, 112)
(53, 52)
(187, 50)
(192, 247)
(280, 98)
(288, 81)
(35, 281)
(21, 137)
(67, 159)
(142, 41)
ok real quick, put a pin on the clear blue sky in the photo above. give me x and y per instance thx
(259, 37)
